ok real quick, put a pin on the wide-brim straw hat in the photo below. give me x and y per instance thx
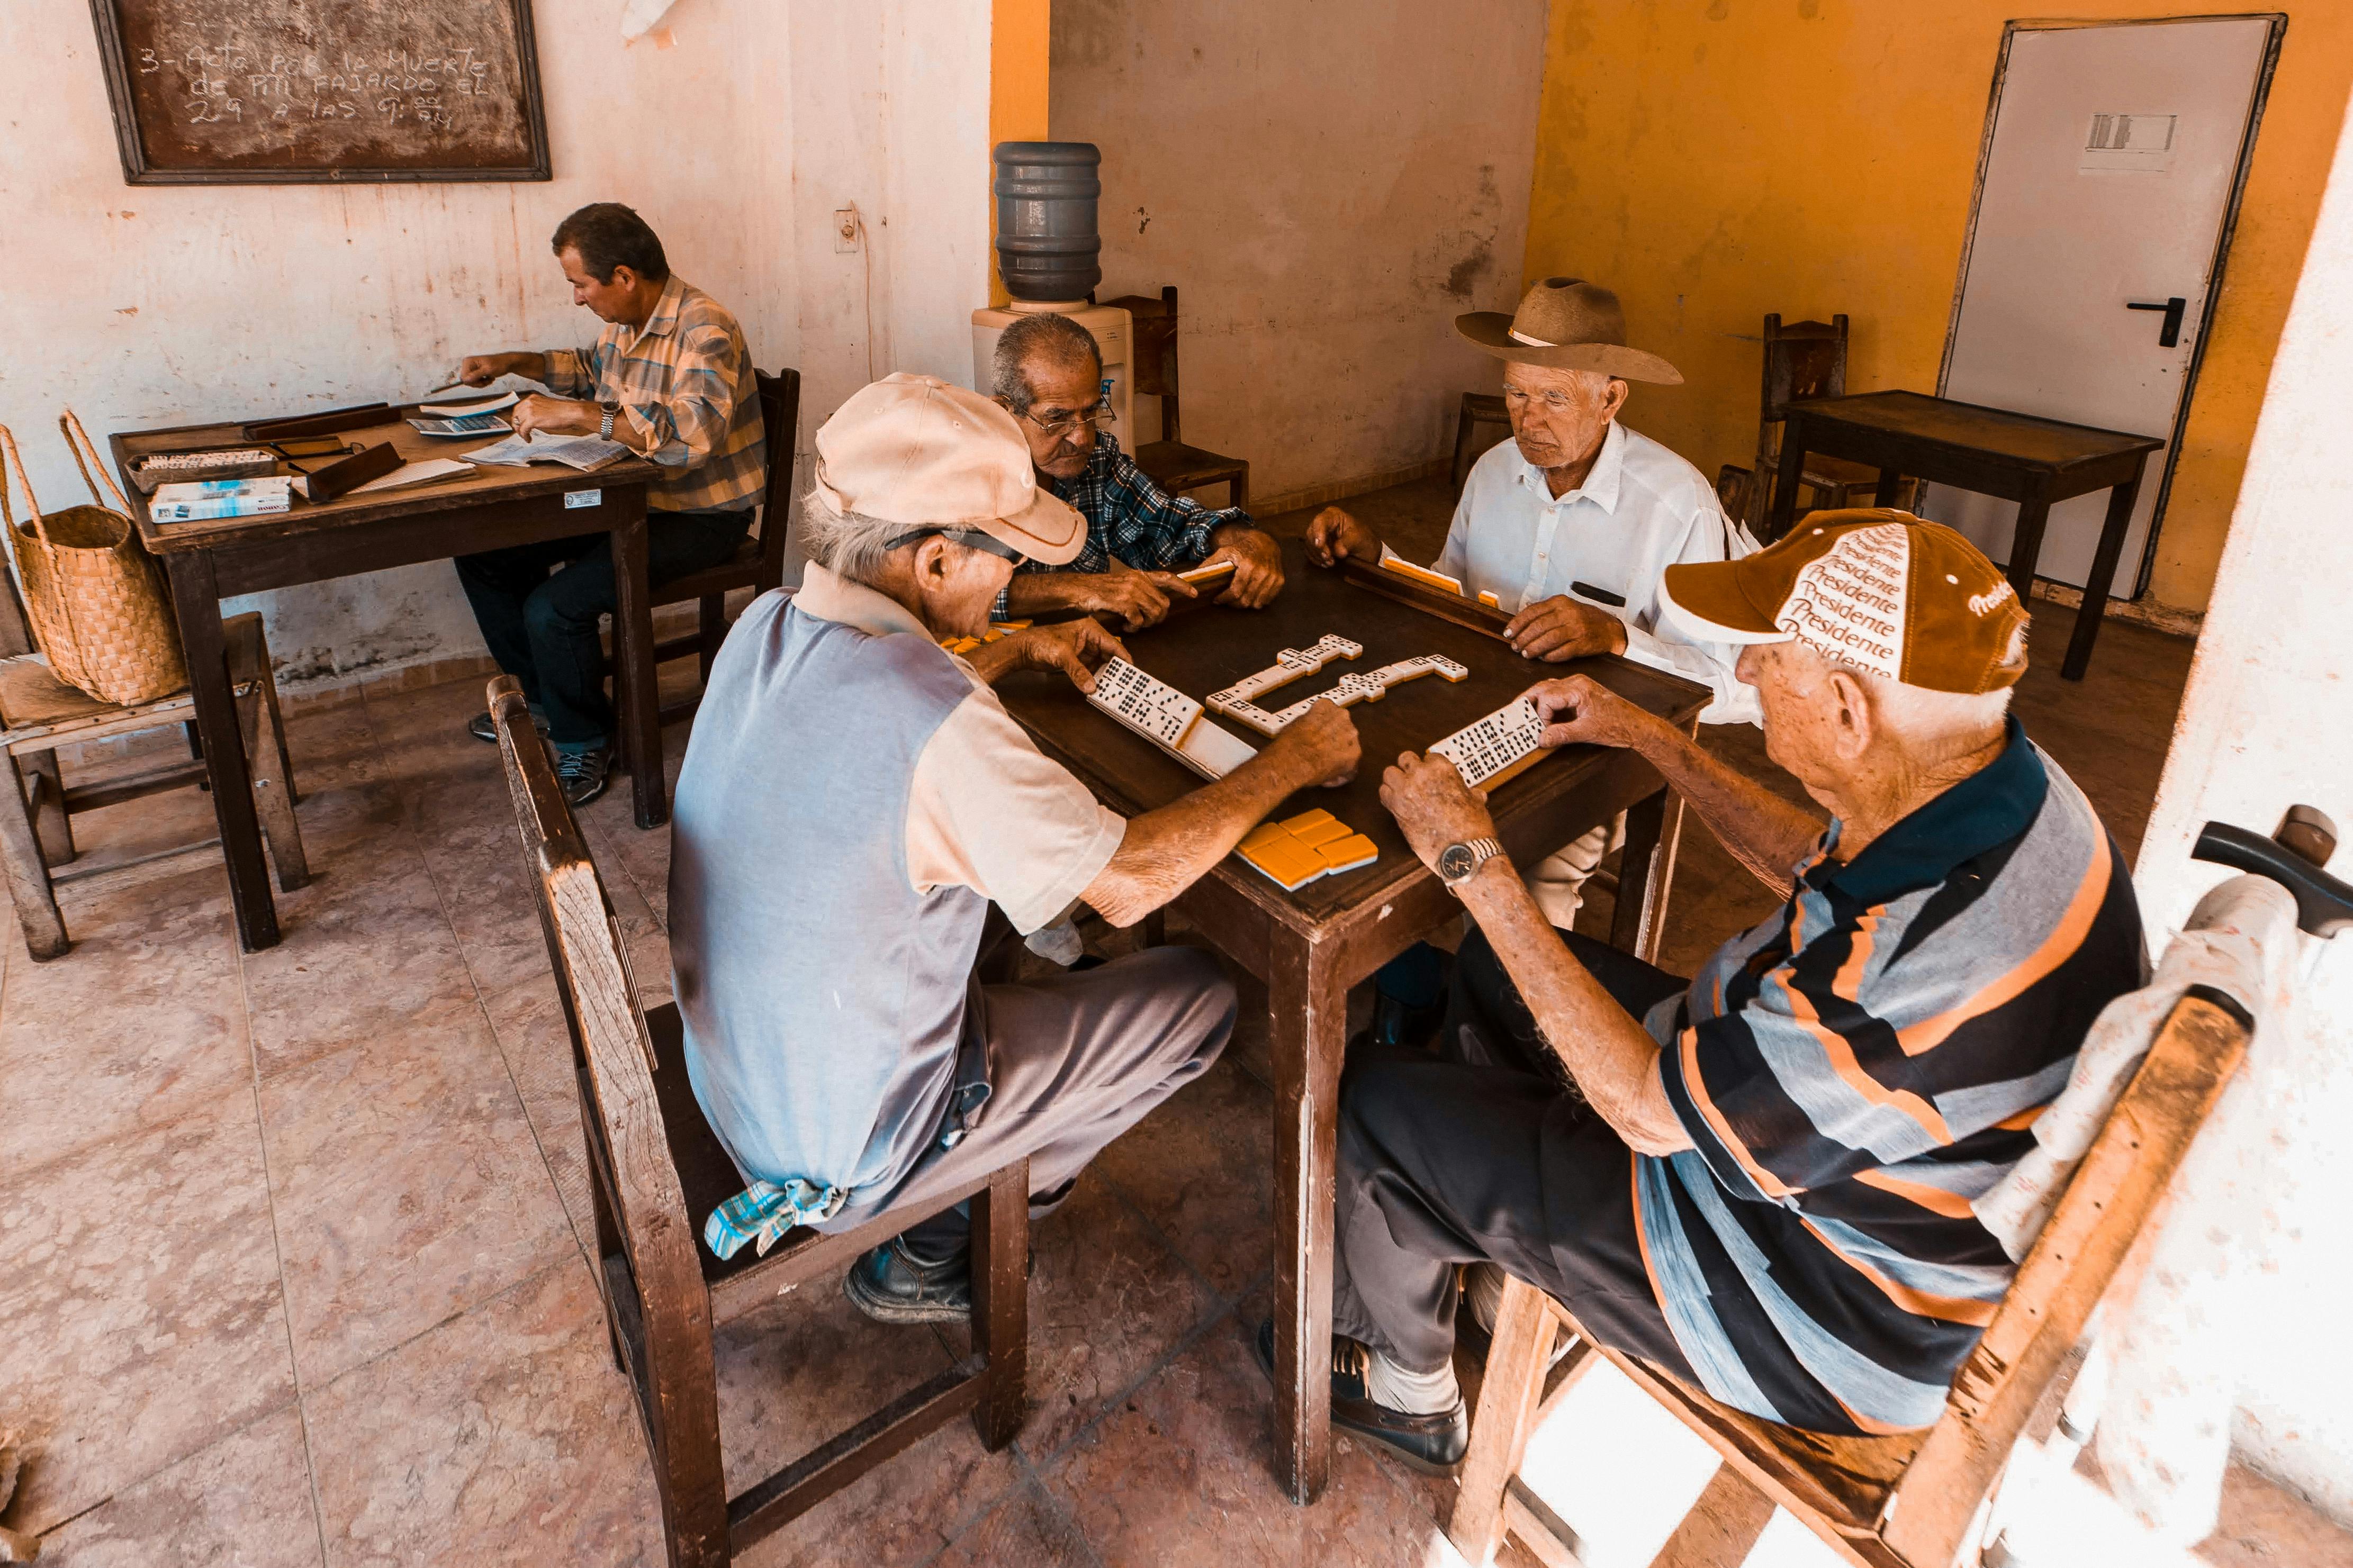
(1566, 324)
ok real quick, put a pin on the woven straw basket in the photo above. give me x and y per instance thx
(93, 593)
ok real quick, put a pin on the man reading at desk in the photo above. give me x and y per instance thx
(669, 378)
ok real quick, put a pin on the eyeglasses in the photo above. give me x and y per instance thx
(971, 537)
(1064, 424)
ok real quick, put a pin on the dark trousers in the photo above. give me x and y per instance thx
(543, 629)
(1487, 1152)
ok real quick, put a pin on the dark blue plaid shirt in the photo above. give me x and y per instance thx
(1131, 518)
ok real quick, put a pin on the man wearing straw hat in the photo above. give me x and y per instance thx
(1569, 525)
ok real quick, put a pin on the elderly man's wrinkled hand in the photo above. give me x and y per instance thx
(1334, 535)
(1321, 744)
(1579, 710)
(1139, 599)
(1434, 807)
(1257, 567)
(1077, 648)
(1562, 628)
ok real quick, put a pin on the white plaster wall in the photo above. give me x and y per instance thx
(1328, 184)
(2267, 721)
(168, 304)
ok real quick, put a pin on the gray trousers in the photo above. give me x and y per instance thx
(1071, 1062)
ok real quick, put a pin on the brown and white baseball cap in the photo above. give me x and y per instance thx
(1881, 590)
(919, 450)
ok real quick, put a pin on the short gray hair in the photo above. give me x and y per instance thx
(1057, 340)
(848, 543)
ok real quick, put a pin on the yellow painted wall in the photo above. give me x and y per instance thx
(1020, 34)
(1715, 159)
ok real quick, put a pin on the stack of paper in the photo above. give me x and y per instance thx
(581, 452)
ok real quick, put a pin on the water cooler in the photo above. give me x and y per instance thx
(1049, 254)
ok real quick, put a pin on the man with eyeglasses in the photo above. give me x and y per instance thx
(1571, 525)
(860, 827)
(1047, 373)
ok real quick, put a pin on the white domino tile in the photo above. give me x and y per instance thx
(1167, 718)
(1494, 743)
(1369, 686)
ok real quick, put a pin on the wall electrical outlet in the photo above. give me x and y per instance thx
(845, 229)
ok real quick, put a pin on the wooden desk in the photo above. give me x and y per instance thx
(1311, 945)
(2016, 456)
(209, 562)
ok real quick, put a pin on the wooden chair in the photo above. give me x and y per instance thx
(1173, 467)
(1848, 1489)
(658, 1170)
(41, 713)
(1478, 408)
(758, 563)
(1804, 360)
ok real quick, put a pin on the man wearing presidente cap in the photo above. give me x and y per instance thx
(1760, 1180)
(1569, 525)
(854, 801)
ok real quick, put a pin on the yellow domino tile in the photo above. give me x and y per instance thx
(1309, 819)
(1012, 626)
(1264, 833)
(1288, 861)
(1490, 600)
(1347, 854)
(1315, 835)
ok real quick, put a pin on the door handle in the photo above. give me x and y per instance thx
(2170, 335)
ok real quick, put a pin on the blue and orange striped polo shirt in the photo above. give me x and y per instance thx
(1856, 1069)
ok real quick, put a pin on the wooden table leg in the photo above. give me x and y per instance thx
(1646, 867)
(2121, 501)
(2026, 544)
(196, 601)
(1310, 1008)
(633, 660)
(1792, 474)
(1891, 485)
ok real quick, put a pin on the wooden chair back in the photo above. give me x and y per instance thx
(1152, 350)
(655, 1165)
(1848, 1489)
(780, 420)
(1803, 360)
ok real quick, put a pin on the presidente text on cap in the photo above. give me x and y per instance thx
(1566, 324)
(1881, 589)
(922, 451)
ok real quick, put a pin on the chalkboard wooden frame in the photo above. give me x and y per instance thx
(136, 170)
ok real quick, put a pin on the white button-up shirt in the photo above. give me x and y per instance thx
(1641, 510)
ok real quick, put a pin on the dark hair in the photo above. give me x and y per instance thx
(609, 235)
(1057, 340)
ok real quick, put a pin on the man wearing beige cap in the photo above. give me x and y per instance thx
(1568, 525)
(854, 799)
(1760, 1180)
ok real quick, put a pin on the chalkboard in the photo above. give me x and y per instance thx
(297, 91)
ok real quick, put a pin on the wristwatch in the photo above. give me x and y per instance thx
(1458, 863)
(612, 412)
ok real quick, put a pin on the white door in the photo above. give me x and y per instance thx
(2113, 165)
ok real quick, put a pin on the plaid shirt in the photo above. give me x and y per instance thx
(1131, 518)
(685, 387)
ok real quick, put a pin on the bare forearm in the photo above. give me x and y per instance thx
(1608, 1055)
(1764, 833)
(1031, 592)
(1167, 850)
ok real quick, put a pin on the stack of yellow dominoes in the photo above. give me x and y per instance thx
(1313, 844)
(997, 632)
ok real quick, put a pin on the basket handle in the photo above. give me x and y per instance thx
(69, 426)
(13, 461)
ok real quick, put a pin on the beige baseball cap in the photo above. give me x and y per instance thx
(919, 450)
(1881, 590)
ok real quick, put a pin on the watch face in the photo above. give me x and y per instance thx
(1456, 862)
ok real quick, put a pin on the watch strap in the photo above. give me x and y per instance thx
(1482, 851)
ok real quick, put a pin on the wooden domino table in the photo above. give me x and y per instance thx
(1309, 946)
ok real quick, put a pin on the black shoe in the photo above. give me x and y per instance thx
(584, 774)
(1085, 962)
(1434, 1444)
(1397, 1025)
(890, 1287)
(480, 727)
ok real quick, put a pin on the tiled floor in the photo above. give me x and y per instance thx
(291, 1243)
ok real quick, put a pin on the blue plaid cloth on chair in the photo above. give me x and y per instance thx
(763, 1212)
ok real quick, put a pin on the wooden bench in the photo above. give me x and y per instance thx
(1911, 1500)
(658, 1168)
